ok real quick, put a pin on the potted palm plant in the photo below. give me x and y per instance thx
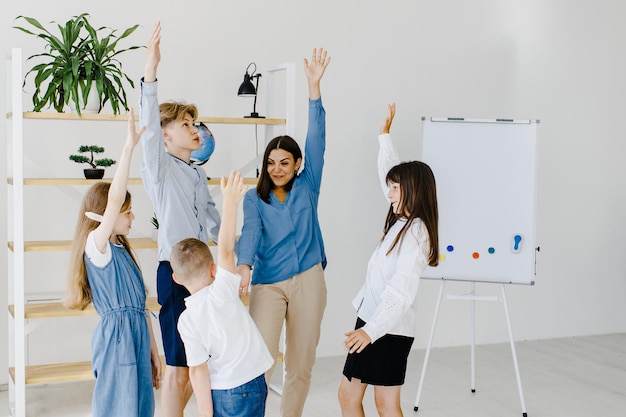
(93, 173)
(78, 61)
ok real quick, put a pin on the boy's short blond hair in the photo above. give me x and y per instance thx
(173, 111)
(190, 258)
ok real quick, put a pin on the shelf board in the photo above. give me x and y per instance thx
(63, 245)
(60, 372)
(57, 309)
(241, 120)
(123, 118)
(83, 181)
(70, 371)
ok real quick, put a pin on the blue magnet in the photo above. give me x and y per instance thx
(516, 243)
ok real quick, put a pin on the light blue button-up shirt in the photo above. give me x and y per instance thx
(178, 190)
(283, 239)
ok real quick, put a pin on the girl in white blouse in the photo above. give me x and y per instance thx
(379, 346)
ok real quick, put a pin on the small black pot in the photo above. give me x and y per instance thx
(94, 174)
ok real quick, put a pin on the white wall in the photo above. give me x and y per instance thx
(562, 62)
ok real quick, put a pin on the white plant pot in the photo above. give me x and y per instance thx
(155, 235)
(93, 104)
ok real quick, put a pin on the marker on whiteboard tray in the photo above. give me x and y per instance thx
(460, 119)
(504, 120)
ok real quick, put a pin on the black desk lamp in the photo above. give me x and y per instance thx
(247, 89)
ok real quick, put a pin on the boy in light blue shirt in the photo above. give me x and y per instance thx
(184, 208)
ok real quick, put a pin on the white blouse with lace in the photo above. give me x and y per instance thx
(387, 300)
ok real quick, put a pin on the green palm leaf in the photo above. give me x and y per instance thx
(75, 57)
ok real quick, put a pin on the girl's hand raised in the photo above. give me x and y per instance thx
(391, 113)
(133, 135)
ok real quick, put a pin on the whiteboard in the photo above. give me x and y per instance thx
(485, 171)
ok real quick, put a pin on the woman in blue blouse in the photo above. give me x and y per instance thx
(281, 239)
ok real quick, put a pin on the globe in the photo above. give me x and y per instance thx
(207, 145)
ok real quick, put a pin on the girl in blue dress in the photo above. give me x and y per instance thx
(104, 271)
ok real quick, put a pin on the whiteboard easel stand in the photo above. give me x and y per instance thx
(473, 298)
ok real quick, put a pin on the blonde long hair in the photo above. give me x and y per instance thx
(95, 200)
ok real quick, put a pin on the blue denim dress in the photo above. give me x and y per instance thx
(121, 342)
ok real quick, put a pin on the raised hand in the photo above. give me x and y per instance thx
(154, 54)
(314, 70)
(233, 188)
(391, 113)
(133, 135)
(316, 67)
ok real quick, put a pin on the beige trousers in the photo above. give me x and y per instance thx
(299, 302)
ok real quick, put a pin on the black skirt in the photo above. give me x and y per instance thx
(380, 363)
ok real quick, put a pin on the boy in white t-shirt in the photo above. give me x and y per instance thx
(226, 354)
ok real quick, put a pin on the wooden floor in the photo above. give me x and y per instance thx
(582, 376)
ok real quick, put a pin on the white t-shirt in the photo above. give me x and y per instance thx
(217, 328)
(91, 250)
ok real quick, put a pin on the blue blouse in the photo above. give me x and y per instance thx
(282, 239)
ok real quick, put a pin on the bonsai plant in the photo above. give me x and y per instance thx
(94, 172)
(77, 61)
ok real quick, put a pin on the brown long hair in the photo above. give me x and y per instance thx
(418, 200)
(95, 200)
(265, 184)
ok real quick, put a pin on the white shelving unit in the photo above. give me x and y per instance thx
(21, 375)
